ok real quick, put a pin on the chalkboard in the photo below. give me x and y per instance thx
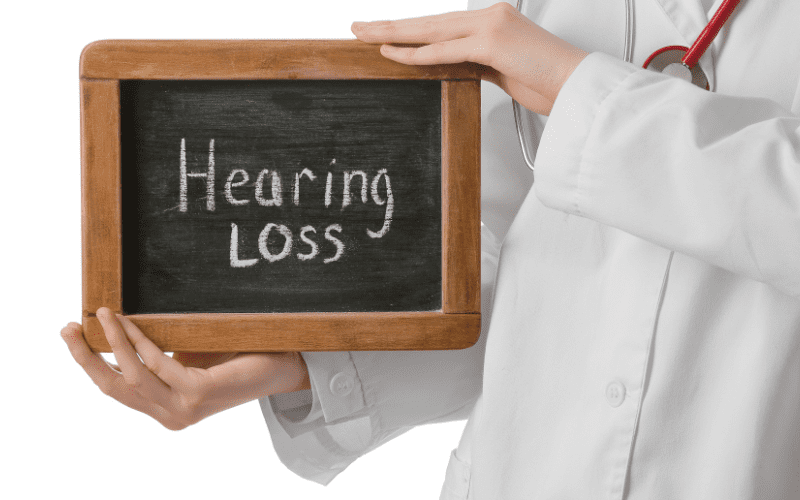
(281, 196)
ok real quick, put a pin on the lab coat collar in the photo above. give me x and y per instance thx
(689, 18)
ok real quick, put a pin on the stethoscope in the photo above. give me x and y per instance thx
(675, 60)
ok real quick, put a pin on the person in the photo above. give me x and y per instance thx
(642, 335)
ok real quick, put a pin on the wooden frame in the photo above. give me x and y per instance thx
(102, 66)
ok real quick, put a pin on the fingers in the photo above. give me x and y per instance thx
(193, 393)
(498, 37)
(109, 381)
(92, 363)
(136, 374)
(428, 29)
(449, 52)
(175, 394)
(163, 366)
(469, 50)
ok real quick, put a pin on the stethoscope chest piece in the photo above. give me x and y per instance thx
(675, 60)
(669, 61)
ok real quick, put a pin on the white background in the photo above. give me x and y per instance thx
(60, 436)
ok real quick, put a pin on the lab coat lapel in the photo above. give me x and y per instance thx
(689, 18)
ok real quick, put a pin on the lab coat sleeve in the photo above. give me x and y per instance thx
(360, 400)
(713, 176)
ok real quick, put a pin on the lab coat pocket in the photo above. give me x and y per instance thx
(456, 479)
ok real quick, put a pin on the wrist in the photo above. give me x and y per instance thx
(569, 57)
(305, 380)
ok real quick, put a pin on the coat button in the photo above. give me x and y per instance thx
(341, 384)
(615, 394)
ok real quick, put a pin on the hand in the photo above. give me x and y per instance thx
(526, 61)
(178, 395)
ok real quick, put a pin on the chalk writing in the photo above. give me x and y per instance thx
(235, 191)
(262, 242)
(229, 184)
(336, 241)
(235, 262)
(348, 176)
(208, 174)
(308, 173)
(387, 219)
(328, 184)
(314, 248)
(276, 199)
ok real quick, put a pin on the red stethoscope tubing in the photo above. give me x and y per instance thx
(705, 38)
(709, 33)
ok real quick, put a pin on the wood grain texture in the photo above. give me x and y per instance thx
(254, 59)
(100, 195)
(461, 192)
(299, 332)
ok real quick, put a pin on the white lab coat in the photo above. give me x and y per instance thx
(645, 336)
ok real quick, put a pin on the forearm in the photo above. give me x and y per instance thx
(712, 176)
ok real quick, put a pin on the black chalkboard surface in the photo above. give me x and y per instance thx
(281, 196)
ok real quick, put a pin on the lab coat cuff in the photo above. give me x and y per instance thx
(294, 406)
(294, 412)
(298, 411)
(335, 393)
(299, 450)
(558, 166)
(335, 384)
